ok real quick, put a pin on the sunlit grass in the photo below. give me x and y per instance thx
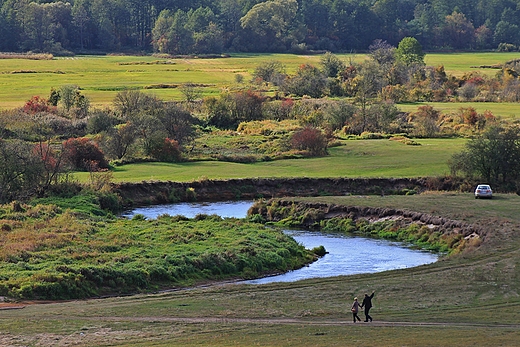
(356, 158)
(452, 302)
(503, 110)
(102, 77)
(460, 63)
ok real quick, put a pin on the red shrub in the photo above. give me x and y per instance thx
(310, 139)
(84, 154)
(469, 115)
(37, 104)
(168, 151)
(47, 156)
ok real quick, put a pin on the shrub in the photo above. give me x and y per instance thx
(309, 80)
(167, 151)
(269, 71)
(100, 121)
(319, 251)
(310, 139)
(84, 154)
(38, 104)
(506, 47)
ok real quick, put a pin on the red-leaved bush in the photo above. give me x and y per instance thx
(167, 151)
(84, 154)
(310, 139)
(38, 104)
(47, 156)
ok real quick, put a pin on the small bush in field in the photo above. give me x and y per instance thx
(84, 154)
(310, 139)
(167, 151)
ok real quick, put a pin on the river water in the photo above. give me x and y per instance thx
(347, 255)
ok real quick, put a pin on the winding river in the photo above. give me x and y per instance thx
(347, 255)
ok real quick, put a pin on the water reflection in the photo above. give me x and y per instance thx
(224, 209)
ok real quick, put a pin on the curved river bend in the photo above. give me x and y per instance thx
(347, 255)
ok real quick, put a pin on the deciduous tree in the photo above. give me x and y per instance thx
(493, 157)
(409, 51)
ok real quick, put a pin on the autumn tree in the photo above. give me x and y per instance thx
(426, 121)
(310, 139)
(83, 154)
(457, 32)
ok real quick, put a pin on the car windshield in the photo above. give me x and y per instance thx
(483, 187)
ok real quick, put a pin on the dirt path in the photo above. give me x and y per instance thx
(286, 321)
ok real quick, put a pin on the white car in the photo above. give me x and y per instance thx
(483, 191)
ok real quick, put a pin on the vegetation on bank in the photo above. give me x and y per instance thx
(393, 227)
(274, 116)
(71, 248)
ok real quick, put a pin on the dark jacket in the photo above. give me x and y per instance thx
(367, 301)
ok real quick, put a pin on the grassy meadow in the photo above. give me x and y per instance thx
(503, 110)
(102, 77)
(470, 299)
(460, 63)
(354, 158)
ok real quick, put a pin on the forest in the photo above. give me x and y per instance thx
(183, 27)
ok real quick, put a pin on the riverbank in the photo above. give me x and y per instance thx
(159, 192)
(428, 231)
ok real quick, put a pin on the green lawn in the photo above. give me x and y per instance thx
(503, 110)
(356, 158)
(460, 63)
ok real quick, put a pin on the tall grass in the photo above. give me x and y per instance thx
(48, 253)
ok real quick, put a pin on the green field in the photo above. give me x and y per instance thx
(466, 300)
(460, 63)
(355, 158)
(502, 110)
(102, 77)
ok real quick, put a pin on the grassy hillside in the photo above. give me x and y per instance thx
(470, 299)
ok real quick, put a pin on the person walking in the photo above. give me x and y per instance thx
(355, 310)
(367, 305)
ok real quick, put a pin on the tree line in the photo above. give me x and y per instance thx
(216, 26)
